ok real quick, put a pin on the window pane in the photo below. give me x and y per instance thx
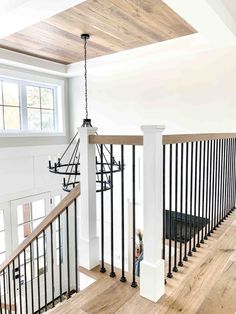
(34, 120)
(20, 214)
(1, 220)
(37, 222)
(12, 118)
(2, 258)
(10, 94)
(48, 120)
(57, 200)
(38, 209)
(47, 98)
(1, 117)
(33, 97)
(2, 241)
(0, 93)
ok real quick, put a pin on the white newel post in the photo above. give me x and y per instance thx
(89, 241)
(152, 267)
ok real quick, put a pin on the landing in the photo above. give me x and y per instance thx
(205, 285)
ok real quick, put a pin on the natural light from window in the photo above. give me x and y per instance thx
(28, 107)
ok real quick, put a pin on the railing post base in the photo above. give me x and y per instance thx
(88, 248)
(152, 280)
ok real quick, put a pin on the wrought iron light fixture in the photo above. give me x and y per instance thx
(68, 164)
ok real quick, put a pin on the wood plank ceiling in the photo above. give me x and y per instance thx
(114, 25)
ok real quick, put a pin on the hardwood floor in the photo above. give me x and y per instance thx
(205, 285)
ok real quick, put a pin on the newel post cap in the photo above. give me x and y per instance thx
(153, 128)
(87, 130)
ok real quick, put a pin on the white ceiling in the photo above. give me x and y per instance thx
(9, 5)
(231, 6)
(19, 14)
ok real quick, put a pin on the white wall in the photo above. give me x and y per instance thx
(23, 171)
(191, 93)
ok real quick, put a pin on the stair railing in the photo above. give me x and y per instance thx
(43, 270)
(199, 191)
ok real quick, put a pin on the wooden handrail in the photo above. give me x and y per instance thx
(116, 139)
(166, 139)
(67, 201)
(184, 138)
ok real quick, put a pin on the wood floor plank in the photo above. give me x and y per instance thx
(205, 285)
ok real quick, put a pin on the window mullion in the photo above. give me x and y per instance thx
(23, 105)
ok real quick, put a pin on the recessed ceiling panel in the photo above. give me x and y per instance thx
(114, 25)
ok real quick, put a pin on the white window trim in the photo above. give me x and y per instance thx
(36, 79)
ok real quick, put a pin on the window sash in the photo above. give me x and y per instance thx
(24, 109)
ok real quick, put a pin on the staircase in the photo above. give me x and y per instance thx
(189, 192)
(43, 270)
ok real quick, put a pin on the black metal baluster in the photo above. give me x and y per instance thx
(102, 268)
(9, 287)
(20, 296)
(230, 175)
(123, 278)
(191, 202)
(68, 253)
(227, 178)
(164, 204)
(219, 185)
(170, 275)
(45, 270)
(210, 188)
(134, 283)
(112, 273)
(76, 247)
(203, 191)
(227, 181)
(199, 195)
(216, 184)
(231, 181)
(175, 269)
(60, 257)
(207, 189)
(186, 207)
(14, 285)
(195, 199)
(0, 294)
(234, 175)
(52, 264)
(224, 183)
(181, 204)
(25, 279)
(213, 188)
(38, 275)
(4, 291)
(31, 278)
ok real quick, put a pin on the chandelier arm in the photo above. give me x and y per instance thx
(106, 161)
(72, 156)
(69, 145)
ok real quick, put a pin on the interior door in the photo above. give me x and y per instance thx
(26, 215)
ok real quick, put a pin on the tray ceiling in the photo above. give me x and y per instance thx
(114, 25)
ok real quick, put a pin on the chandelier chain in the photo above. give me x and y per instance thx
(85, 78)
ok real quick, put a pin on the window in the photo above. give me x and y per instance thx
(28, 106)
(2, 238)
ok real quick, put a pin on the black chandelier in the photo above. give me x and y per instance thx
(68, 164)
